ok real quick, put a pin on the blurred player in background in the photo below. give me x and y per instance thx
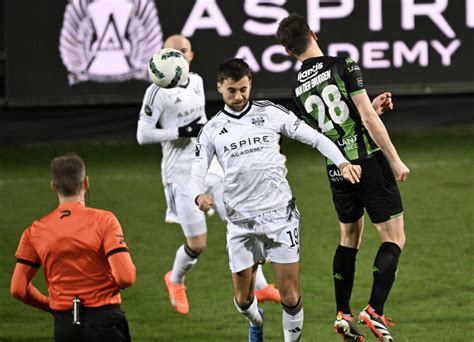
(174, 117)
(331, 94)
(263, 221)
(85, 259)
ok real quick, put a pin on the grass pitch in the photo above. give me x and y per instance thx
(432, 299)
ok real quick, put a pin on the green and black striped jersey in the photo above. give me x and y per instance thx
(323, 96)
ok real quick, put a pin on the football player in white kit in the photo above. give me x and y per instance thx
(263, 221)
(173, 117)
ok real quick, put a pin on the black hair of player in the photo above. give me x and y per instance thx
(234, 68)
(294, 33)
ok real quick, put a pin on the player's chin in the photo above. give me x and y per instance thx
(238, 106)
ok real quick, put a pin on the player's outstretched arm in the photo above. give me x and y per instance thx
(379, 133)
(294, 128)
(22, 289)
(383, 103)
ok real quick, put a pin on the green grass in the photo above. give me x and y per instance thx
(432, 298)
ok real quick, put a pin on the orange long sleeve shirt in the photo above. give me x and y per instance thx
(80, 250)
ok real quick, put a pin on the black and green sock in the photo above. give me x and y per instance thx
(343, 273)
(385, 267)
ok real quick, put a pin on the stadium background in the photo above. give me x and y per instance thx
(65, 91)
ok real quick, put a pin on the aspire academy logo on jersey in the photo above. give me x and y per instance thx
(109, 40)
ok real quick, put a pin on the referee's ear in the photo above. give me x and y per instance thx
(54, 188)
(85, 183)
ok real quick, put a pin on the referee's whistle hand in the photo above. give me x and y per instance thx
(204, 202)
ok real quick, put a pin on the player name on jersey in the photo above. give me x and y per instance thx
(313, 82)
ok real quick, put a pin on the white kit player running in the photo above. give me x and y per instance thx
(263, 221)
(174, 117)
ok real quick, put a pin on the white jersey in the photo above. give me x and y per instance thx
(247, 147)
(163, 111)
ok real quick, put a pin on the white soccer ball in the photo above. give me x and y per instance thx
(168, 68)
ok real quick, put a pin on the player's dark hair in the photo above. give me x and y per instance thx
(234, 68)
(67, 174)
(293, 33)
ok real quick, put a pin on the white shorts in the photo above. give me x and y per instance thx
(273, 236)
(182, 209)
(214, 186)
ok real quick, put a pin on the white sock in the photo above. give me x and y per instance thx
(183, 263)
(293, 322)
(251, 313)
(260, 281)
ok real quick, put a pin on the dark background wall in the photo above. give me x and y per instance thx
(77, 71)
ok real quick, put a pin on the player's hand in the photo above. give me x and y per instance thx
(383, 103)
(204, 202)
(190, 130)
(401, 171)
(351, 172)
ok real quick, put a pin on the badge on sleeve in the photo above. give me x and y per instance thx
(148, 110)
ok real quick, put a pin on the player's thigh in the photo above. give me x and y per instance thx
(351, 233)
(380, 193)
(243, 283)
(244, 247)
(345, 196)
(392, 231)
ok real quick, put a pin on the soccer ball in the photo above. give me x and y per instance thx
(168, 68)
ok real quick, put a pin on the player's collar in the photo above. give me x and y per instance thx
(237, 115)
(185, 84)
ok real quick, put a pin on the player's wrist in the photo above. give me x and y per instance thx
(343, 165)
(196, 199)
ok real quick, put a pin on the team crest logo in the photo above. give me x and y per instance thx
(109, 40)
(258, 121)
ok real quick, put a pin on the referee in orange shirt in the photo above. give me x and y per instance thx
(85, 260)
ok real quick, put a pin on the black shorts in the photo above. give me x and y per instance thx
(377, 191)
(104, 323)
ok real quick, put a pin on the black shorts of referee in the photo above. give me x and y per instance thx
(104, 323)
(377, 191)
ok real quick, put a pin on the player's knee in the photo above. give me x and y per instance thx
(351, 240)
(243, 299)
(194, 250)
(401, 241)
(198, 246)
(290, 298)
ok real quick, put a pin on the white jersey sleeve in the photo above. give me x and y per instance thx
(203, 157)
(147, 131)
(295, 128)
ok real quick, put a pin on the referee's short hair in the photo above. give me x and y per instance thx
(67, 174)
